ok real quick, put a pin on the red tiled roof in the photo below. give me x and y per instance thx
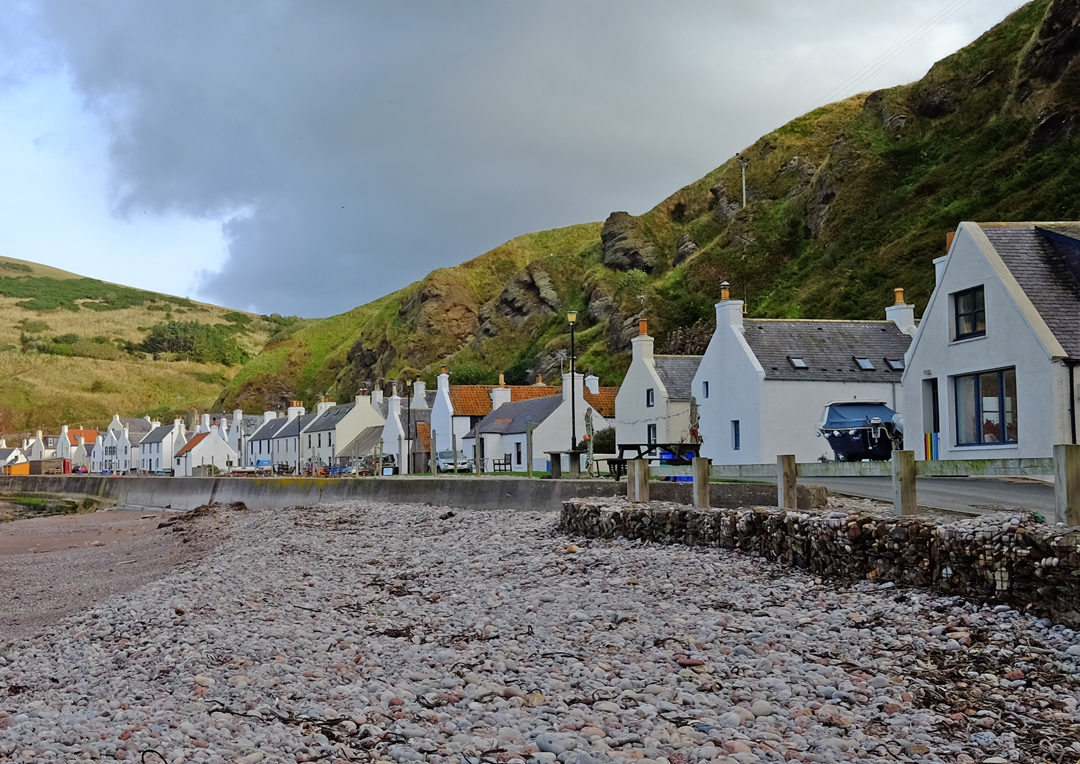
(475, 400)
(88, 435)
(192, 443)
(423, 431)
(603, 400)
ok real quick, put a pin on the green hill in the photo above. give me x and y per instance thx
(843, 204)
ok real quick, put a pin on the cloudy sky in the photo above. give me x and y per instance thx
(307, 156)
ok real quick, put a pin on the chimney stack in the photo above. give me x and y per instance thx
(901, 314)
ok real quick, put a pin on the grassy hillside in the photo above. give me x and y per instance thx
(843, 204)
(71, 349)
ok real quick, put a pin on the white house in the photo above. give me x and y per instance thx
(991, 371)
(653, 404)
(337, 427)
(75, 445)
(503, 432)
(287, 447)
(10, 456)
(258, 446)
(37, 449)
(158, 448)
(208, 450)
(762, 384)
(116, 448)
(241, 428)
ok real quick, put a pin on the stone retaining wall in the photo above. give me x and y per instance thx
(1007, 558)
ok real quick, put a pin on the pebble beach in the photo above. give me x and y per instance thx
(399, 632)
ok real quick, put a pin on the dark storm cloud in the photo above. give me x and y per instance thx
(354, 146)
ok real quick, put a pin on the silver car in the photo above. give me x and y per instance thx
(446, 460)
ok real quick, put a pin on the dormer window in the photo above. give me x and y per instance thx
(969, 310)
(864, 363)
(797, 362)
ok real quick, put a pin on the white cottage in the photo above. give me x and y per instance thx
(991, 371)
(337, 427)
(762, 384)
(116, 448)
(207, 451)
(654, 400)
(158, 448)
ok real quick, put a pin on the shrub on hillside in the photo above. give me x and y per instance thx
(194, 341)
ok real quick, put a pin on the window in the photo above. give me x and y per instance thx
(705, 389)
(986, 408)
(864, 363)
(896, 364)
(319, 440)
(517, 453)
(969, 309)
(736, 435)
(650, 397)
(650, 434)
(798, 363)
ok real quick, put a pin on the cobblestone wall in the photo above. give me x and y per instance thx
(1003, 558)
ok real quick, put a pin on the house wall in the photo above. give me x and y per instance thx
(1015, 337)
(632, 416)
(211, 450)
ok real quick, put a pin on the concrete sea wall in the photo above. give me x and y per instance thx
(476, 492)
(1010, 559)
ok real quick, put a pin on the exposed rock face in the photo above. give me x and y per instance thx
(624, 247)
(1051, 127)
(933, 103)
(1058, 42)
(684, 249)
(841, 162)
(370, 363)
(448, 307)
(724, 209)
(529, 294)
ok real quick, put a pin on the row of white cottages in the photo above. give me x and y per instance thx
(988, 372)
(486, 420)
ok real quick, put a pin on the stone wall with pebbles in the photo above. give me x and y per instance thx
(999, 558)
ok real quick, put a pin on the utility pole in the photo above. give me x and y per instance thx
(743, 161)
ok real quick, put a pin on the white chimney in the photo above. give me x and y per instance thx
(592, 382)
(499, 396)
(419, 396)
(728, 312)
(323, 405)
(901, 314)
(204, 423)
(579, 386)
(394, 401)
(442, 382)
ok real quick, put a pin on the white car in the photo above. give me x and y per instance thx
(445, 461)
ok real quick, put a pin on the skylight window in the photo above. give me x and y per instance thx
(896, 364)
(798, 363)
(864, 363)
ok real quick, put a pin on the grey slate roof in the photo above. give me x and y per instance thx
(157, 435)
(329, 419)
(136, 426)
(1045, 261)
(5, 453)
(677, 373)
(250, 423)
(268, 430)
(829, 349)
(364, 443)
(510, 418)
(290, 428)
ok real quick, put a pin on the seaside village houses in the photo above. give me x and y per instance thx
(763, 384)
(207, 452)
(991, 372)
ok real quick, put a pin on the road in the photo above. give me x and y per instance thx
(963, 494)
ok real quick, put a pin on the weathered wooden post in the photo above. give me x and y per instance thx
(1067, 484)
(701, 481)
(401, 461)
(453, 447)
(433, 456)
(787, 496)
(529, 427)
(478, 462)
(575, 463)
(637, 480)
(903, 481)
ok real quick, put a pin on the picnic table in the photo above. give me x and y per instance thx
(678, 453)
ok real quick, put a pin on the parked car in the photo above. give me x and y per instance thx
(446, 461)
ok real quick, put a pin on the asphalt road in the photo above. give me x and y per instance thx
(963, 494)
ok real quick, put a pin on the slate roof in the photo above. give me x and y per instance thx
(510, 418)
(416, 418)
(268, 430)
(135, 425)
(603, 400)
(364, 443)
(156, 435)
(196, 440)
(1045, 260)
(475, 400)
(828, 348)
(290, 428)
(5, 454)
(329, 419)
(677, 373)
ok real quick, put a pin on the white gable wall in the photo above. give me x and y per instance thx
(1015, 337)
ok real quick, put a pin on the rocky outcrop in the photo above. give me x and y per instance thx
(684, 249)
(933, 102)
(448, 307)
(1058, 42)
(625, 248)
(1051, 127)
(723, 208)
(530, 294)
(369, 363)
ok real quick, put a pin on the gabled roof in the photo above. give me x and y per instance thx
(268, 430)
(828, 349)
(136, 426)
(157, 435)
(330, 418)
(289, 430)
(1044, 259)
(364, 443)
(603, 400)
(413, 419)
(88, 436)
(423, 434)
(190, 445)
(677, 373)
(475, 400)
(511, 418)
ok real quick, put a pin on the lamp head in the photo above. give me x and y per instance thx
(571, 316)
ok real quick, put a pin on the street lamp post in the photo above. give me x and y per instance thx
(408, 426)
(571, 316)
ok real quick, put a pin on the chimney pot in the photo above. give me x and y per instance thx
(643, 327)
(502, 382)
(725, 290)
(898, 296)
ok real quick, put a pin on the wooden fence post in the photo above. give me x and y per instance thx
(1067, 484)
(453, 447)
(529, 427)
(433, 456)
(787, 496)
(903, 480)
(701, 481)
(637, 480)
